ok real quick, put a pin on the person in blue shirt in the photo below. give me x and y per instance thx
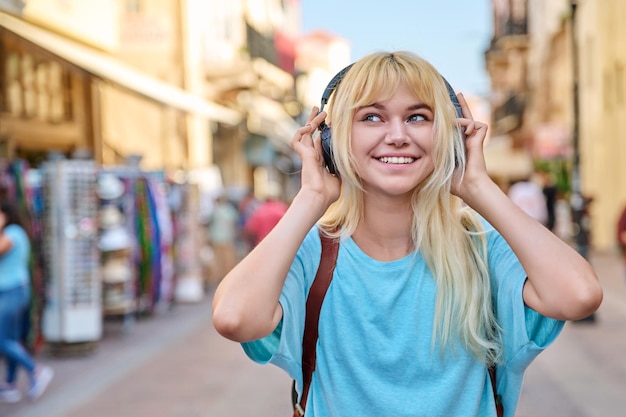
(439, 274)
(14, 300)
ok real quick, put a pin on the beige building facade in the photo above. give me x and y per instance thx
(562, 45)
(601, 34)
(597, 34)
(105, 78)
(188, 85)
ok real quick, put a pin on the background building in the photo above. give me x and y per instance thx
(72, 78)
(167, 103)
(534, 71)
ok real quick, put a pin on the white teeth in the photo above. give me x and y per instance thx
(396, 160)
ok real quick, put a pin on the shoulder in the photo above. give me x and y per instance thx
(495, 241)
(504, 266)
(16, 235)
(15, 232)
(306, 261)
(311, 245)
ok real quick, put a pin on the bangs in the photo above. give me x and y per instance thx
(395, 70)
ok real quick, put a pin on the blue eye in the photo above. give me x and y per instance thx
(371, 118)
(417, 118)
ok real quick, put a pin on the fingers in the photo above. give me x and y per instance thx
(305, 130)
(464, 106)
(305, 133)
(470, 126)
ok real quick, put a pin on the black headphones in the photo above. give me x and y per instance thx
(324, 129)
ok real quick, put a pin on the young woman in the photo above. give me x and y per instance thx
(14, 299)
(439, 274)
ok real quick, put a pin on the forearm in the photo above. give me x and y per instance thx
(561, 283)
(245, 306)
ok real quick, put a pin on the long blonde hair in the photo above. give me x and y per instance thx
(448, 234)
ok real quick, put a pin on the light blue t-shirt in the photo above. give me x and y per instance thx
(374, 353)
(14, 270)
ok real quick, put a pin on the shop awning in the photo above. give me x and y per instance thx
(106, 67)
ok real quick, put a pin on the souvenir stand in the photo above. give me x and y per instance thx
(115, 244)
(185, 203)
(155, 236)
(135, 242)
(73, 311)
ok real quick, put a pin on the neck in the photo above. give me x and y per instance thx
(384, 233)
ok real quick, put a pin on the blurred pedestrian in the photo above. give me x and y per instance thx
(580, 207)
(15, 293)
(264, 218)
(550, 193)
(528, 195)
(223, 234)
(247, 205)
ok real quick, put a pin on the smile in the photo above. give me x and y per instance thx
(396, 160)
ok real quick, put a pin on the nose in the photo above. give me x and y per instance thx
(397, 134)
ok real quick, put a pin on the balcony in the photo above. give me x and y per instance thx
(508, 116)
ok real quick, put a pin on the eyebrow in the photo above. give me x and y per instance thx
(418, 106)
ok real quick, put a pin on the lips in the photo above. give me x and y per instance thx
(396, 160)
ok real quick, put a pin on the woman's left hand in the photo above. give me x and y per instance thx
(468, 182)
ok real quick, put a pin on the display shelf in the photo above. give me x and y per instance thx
(118, 289)
(73, 306)
(116, 250)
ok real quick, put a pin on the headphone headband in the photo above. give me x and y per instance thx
(339, 76)
(453, 98)
(332, 85)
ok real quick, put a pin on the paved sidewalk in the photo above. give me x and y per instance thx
(583, 374)
(170, 365)
(175, 365)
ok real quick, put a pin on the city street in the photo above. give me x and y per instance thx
(175, 365)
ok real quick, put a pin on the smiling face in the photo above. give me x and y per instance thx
(392, 142)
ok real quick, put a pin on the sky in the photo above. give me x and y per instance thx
(452, 34)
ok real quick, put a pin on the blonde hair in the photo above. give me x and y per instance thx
(449, 234)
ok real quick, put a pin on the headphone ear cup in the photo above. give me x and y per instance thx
(327, 148)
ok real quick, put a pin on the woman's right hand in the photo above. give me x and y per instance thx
(246, 303)
(316, 181)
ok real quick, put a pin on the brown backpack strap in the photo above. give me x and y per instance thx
(317, 292)
(496, 396)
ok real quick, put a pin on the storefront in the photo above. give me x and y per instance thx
(74, 121)
(59, 95)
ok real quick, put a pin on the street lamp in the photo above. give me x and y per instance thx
(579, 203)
